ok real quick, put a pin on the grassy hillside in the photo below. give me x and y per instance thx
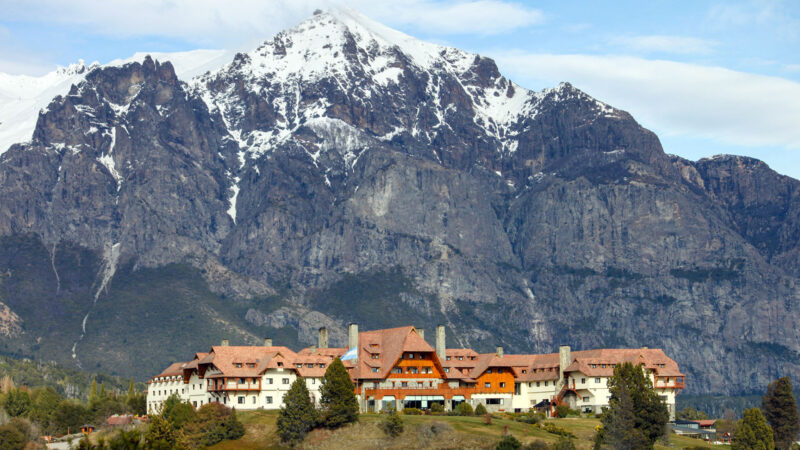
(425, 432)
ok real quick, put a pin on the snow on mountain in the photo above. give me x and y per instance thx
(23, 96)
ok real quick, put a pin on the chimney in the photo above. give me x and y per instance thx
(421, 333)
(499, 351)
(322, 341)
(267, 342)
(564, 360)
(312, 349)
(224, 343)
(441, 351)
(352, 335)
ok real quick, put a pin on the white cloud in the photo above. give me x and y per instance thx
(665, 44)
(675, 98)
(235, 23)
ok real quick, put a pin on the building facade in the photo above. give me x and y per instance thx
(398, 368)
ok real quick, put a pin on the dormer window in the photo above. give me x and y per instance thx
(375, 355)
(321, 365)
(251, 365)
(448, 358)
(524, 371)
(238, 365)
(488, 370)
(460, 358)
(603, 366)
(280, 364)
(310, 365)
(300, 365)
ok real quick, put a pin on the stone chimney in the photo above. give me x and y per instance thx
(421, 333)
(267, 342)
(441, 349)
(499, 351)
(564, 360)
(322, 341)
(352, 336)
(224, 343)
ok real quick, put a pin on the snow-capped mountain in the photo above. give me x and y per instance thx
(343, 171)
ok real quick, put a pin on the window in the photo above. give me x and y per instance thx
(487, 385)
(603, 366)
(594, 366)
(285, 381)
(310, 365)
(410, 356)
(313, 381)
(269, 400)
(583, 380)
(241, 400)
(537, 384)
(280, 364)
(193, 386)
(254, 399)
(524, 371)
(546, 383)
(299, 365)
(404, 384)
(597, 380)
(251, 365)
(321, 365)
(502, 384)
(375, 355)
(460, 358)
(269, 380)
(242, 381)
(446, 370)
(494, 401)
(195, 403)
(448, 358)
(397, 370)
(374, 370)
(238, 365)
(585, 399)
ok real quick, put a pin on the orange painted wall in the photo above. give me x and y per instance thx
(426, 361)
(495, 378)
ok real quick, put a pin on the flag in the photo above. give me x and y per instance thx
(351, 354)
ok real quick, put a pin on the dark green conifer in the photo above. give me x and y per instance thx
(780, 410)
(480, 410)
(298, 415)
(337, 397)
(753, 432)
(619, 424)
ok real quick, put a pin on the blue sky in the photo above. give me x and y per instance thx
(708, 77)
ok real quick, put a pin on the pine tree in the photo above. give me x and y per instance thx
(93, 391)
(102, 393)
(753, 432)
(650, 414)
(619, 424)
(297, 416)
(780, 410)
(337, 397)
(131, 391)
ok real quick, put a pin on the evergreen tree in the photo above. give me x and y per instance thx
(619, 424)
(508, 442)
(297, 416)
(131, 391)
(337, 397)
(17, 402)
(780, 410)
(102, 393)
(753, 432)
(480, 410)
(392, 425)
(93, 391)
(650, 414)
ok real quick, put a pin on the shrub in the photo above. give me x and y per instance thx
(464, 409)
(564, 443)
(437, 408)
(508, 442)
(562, 411)
(11, 437)
(480, 410)
(555, 429)
(412, 411)
(298, 416)
(531, 418)
(487, 419)
(392, 425)
(536, 445)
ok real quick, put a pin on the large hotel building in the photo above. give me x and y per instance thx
(397, 366)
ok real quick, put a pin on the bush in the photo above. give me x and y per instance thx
(531, 418)
(536, 445)
(487, 419)
(12, 438)
(480, 410)
(297, 416)
(555, 429)
(437, 408)
(464, 409)
(392, 425)
(508, 442)
(412, 411)
(562, 411)
(564, 443)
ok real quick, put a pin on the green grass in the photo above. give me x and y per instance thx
(426, 432)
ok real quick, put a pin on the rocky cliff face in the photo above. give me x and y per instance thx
(346, 172)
